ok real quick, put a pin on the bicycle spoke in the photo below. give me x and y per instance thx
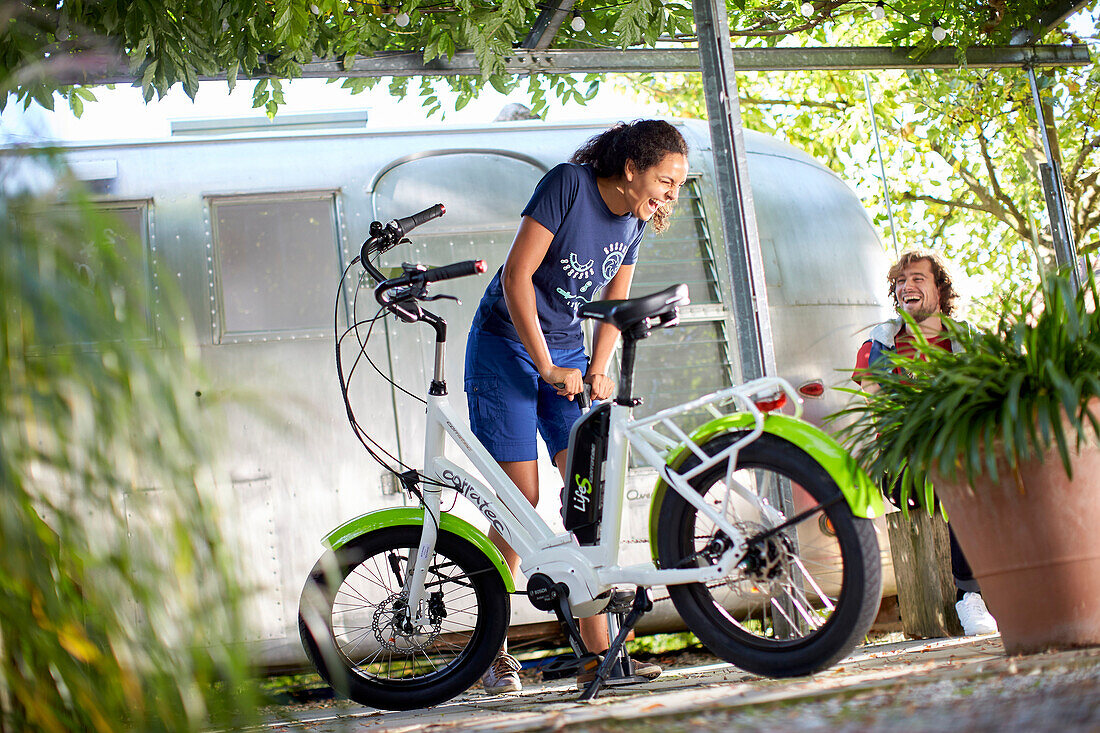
(370, 621)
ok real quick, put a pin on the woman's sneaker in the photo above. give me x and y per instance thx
(974, 616)
(502, 675)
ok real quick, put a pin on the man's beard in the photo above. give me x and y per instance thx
(922, 312)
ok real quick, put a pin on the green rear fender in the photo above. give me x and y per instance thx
(398, 516)
(863, 497)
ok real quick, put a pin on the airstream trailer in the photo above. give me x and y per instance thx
(257, 228)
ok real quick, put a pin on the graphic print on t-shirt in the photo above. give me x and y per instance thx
(614, 254)
(576, 269)
(614, 257)
(590, 243)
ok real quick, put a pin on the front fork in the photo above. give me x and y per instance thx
(431, 493)
(414, 585)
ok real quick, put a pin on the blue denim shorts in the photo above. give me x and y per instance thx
(509, 402)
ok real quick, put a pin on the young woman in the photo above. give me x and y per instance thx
(525, 360)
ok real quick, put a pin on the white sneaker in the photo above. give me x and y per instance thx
(501, 675)
(974, 616)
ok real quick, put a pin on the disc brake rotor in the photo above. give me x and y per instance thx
(393, 627)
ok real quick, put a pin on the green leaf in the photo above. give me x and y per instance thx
(1060, 436)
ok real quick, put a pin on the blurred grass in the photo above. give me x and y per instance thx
(118, 605)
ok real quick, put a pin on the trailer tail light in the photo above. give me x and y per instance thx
(775, 402)
(813, 388)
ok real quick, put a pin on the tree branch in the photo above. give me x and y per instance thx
(990, 202)
(822, 14)
(951, 203)
(838, 106)
(991, 169)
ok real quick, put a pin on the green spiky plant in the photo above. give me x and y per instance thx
(117, 599)
(1004, 395)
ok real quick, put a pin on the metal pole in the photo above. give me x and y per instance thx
(750, 299)
(881, 165)
(1050, 175)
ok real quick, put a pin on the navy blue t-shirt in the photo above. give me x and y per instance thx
(589, 245)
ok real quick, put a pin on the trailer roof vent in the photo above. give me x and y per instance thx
(282, 123)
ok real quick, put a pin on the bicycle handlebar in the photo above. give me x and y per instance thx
(382, 238)
(408, 223)
(424, 276)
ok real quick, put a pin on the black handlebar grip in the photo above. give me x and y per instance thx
(408, 223)
(458, 269)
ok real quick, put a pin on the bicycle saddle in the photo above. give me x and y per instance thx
(625, 314)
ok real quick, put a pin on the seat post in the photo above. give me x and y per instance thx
(626, 371)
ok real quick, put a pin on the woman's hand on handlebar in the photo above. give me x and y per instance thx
(567, 381)
(602, 385)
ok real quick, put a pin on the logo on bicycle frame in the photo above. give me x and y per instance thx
(583, 493)
(468, 490)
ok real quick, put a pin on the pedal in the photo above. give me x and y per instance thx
(617, 674)
(568, 666)
(621, 601)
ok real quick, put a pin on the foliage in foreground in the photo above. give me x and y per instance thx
(116, 593)
(164, 44)
(1005, 394)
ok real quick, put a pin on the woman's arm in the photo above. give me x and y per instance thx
(528, 250)
(606, 336)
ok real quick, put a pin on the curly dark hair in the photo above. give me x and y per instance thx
(939, 274)
(645, 142)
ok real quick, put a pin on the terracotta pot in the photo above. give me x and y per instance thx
(1033, 542)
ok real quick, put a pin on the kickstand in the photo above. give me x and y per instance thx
(614, 652)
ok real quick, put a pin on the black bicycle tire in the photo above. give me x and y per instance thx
(861, 585)
(337, 669)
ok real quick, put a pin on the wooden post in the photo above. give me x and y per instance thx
(922, 567)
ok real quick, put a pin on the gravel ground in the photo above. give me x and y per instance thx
(965, 692)
(1055, 698)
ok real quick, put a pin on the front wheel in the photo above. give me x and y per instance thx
(800, 599)
(357, 628)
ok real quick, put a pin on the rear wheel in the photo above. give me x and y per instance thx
(800, 599)
(356, 627)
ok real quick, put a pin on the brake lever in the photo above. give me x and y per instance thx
(440, 297)
(407, 309)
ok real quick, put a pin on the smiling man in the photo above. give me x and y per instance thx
(921, 286)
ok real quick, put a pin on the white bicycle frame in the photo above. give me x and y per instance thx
(589, 570)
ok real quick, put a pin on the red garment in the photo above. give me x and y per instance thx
(863, 356)
(904, 344)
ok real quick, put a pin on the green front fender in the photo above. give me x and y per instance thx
(863, 497)
(414, 516)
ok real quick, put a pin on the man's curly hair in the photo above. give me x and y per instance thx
(939, 273)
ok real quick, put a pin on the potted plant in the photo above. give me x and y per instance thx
(1007, 433)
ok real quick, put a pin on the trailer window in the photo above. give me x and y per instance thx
(693, 359)
(107, 244)
(678, 364)
(275, 265)
(484, 191)
(681, 254)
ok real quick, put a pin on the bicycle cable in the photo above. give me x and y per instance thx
(372, 446)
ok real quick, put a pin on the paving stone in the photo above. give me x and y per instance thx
(964, 684)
